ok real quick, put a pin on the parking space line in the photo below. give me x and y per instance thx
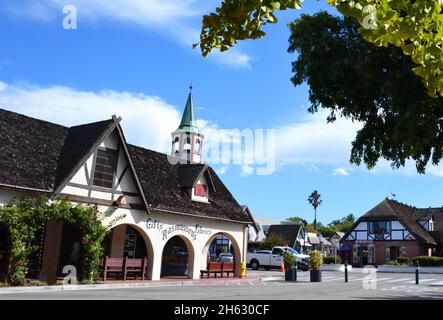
(399, 280)
(332, 279)
(422, 280)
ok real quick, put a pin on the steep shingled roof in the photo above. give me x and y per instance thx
(29, 151)
(393, 210)
(40, 155)
(288, 232)
(160, 181)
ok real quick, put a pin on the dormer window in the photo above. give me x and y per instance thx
(105, 166)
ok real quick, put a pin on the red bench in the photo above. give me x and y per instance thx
(228, 267)
(122, 267)
(213, 267)
(135, 267)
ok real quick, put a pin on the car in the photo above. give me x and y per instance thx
(226, 257)
(269, 259)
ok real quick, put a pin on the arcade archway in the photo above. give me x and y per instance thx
(221, 247)
(127, 240)
(177, 258)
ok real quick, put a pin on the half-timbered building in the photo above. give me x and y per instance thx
(171, 208)
(393, 229)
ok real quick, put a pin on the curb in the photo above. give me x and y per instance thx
(81, 287)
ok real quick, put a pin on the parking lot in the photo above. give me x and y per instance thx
(392, 286)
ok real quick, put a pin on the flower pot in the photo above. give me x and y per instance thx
(315, 275)
(290, 275)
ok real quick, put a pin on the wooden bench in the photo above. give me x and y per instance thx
(228, 267)
(112, 265)
(122, 267)
(135, 267)
(213, 267)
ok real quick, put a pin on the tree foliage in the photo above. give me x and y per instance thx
(26, 218)
(273, 240)
(372, 85)
(315, 200)
(415, 26)
(340, 225)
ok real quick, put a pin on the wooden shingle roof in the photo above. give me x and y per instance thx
(393, 210)
(288, 232)
(42, 156)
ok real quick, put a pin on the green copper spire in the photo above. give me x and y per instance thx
(188, 123)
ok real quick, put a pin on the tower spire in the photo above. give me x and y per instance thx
(188, 122)
(187, 141)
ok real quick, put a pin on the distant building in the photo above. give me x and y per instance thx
(393, 229)
(293, 233)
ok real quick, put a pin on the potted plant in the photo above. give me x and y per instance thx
(316, 263)
(289, 262)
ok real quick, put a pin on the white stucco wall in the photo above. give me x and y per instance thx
(158, 227)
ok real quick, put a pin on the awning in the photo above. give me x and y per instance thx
(313, 240)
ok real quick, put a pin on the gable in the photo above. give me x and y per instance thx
(83, 183)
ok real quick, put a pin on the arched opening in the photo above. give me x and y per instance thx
(197, 146)
(125, 241)
(177, 258)
(176, 146)
(221, 247)
(130, 241)
(5, 247)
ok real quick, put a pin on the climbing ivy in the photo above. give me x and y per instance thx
(28, 217)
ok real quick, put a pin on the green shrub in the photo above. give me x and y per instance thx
(288, 260)
(403, 261)
(316, 260)
(426, 261)
(332, 259)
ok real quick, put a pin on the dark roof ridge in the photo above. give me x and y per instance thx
(33, 118)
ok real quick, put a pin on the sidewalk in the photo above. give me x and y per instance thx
(118, 284)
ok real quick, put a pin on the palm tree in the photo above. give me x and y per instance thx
(315, 201)
(349, 218)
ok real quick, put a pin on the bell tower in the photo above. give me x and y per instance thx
(187, 141)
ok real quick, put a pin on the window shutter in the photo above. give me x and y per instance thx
(201, 190)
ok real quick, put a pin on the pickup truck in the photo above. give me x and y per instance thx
(274, 258)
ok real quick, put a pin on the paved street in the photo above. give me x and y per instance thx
(360, 286)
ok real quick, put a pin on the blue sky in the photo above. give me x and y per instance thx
(134, 58)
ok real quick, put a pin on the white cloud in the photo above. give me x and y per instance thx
(147, 120)
(340, 172)
(180, 19)
(314, 141)
(222, 170)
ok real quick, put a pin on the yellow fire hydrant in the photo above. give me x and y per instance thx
(243, 270)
